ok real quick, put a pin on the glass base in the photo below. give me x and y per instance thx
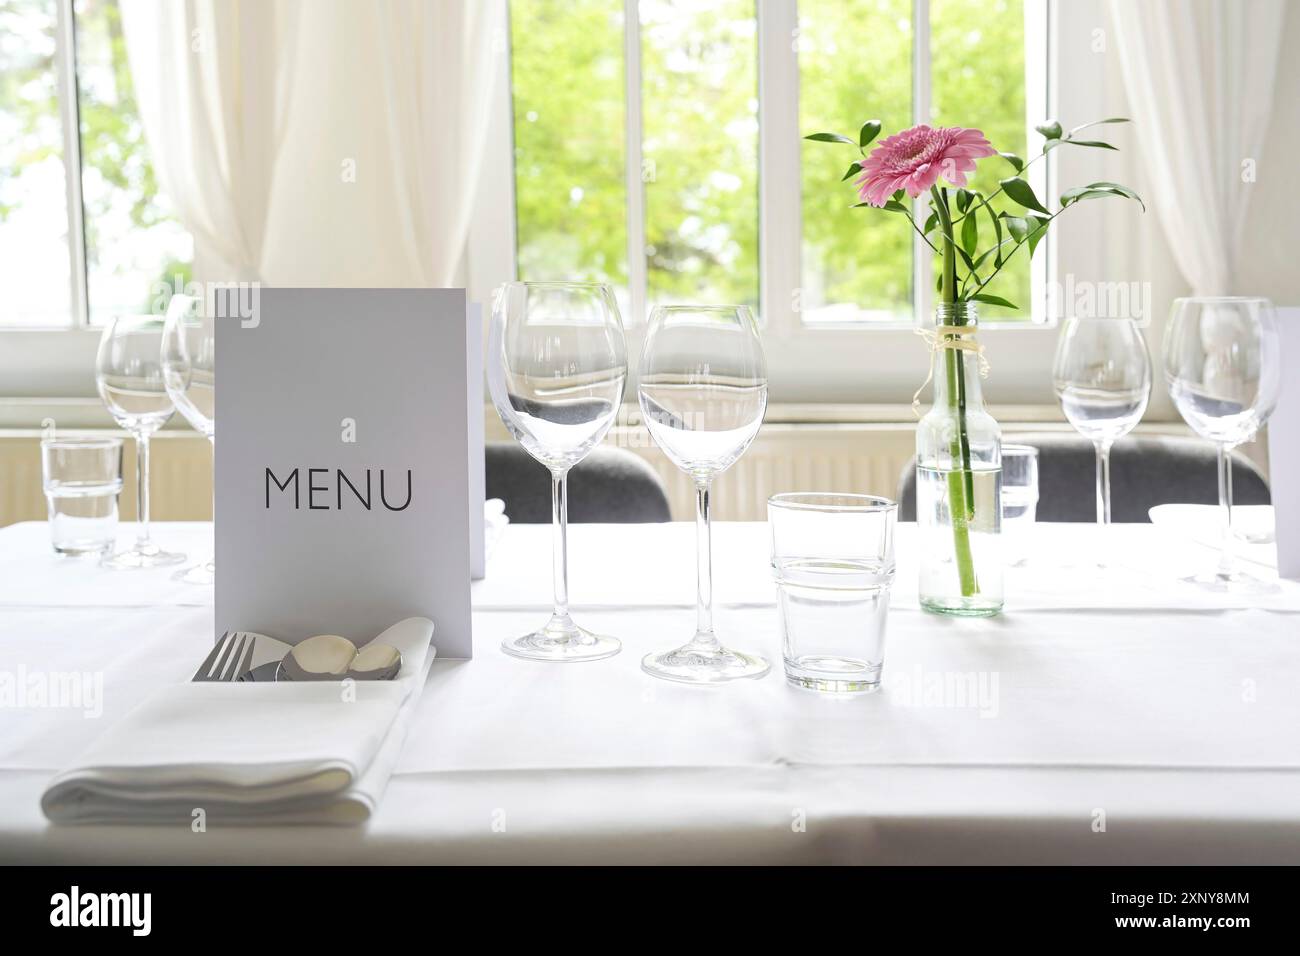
(205, 573)
(149, 556)
(562, 641)
(833, 675)
(704, 662)
(1236, 583)
(962, 607)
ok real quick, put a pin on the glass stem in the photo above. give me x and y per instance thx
(560, 533)
(142, 542)
(1103, 482)
(703, 567)
(1227, 556)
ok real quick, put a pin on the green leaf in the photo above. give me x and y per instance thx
(1014, 160)
(1113, 187)
(931, 221)
(970, 233)
(963, 200)
(894, 206)
(1080, 193)
(1098, 144)
(829, 138)
(1037, 230)
(965, 257)
(1017, 226)
(984, 256)
(899, 195)
(1050, 129)
(994, 300)
(938, 284)
(1112, 119)
(853, 171)
(997, 229)
(1021, 192)
(870, 130)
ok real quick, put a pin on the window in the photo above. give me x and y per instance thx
(644, 133)
(84, 231)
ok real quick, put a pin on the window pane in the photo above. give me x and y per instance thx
(132, 237)
(35, 266)
(978, 69)
(567, 64)
(699, 84)
(855, 64)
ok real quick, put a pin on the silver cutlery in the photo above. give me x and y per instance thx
(230, 659)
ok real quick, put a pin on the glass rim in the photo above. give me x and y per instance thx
(1215, 299)
(1020, 449)
(555, 284)
(106, 441)
(687, 307)
(832, 501)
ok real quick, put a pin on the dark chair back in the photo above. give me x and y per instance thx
(609, 485)
(1144, 472)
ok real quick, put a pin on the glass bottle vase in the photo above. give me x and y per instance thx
(959, 478)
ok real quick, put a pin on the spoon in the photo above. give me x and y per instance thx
(329, 657)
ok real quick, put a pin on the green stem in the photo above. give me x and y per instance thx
(961, 483)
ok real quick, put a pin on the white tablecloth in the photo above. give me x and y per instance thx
(1118, 716)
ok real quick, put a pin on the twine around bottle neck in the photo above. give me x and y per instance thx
(956, 328)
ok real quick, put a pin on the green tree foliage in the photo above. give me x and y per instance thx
(700, 140)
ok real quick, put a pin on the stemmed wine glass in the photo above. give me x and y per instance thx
(1222, 367)
(703, 391)
(189, 351)
(1102, 376)
(557, 365)
(129, 376)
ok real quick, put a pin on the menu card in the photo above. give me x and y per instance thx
(343, 499)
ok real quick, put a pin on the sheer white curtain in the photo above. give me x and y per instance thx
(212, 82)
(1199, 78)
(322, 143)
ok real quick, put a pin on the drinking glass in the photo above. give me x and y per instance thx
(1019, 498)
(189, 365)
(1102, 377)
(1222, 366)
(833, 559)
(82, 478)
(129, 376)
(557, 366)
(703, 391)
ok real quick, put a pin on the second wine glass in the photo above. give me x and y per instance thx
(1102, 376)
(557, 365)
(703, 391)
(189, 364)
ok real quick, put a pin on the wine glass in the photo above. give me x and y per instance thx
(1102, 376)
(1222, 366)
(703, 391)
(189, 350)
(557, 366)
(129, 376)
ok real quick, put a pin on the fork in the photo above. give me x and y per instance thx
(231, 658)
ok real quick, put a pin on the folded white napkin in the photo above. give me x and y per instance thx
(318, 752)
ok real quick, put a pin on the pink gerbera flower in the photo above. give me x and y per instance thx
(915, 159)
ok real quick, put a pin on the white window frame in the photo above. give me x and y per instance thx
(872, 363)
(867, 362)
